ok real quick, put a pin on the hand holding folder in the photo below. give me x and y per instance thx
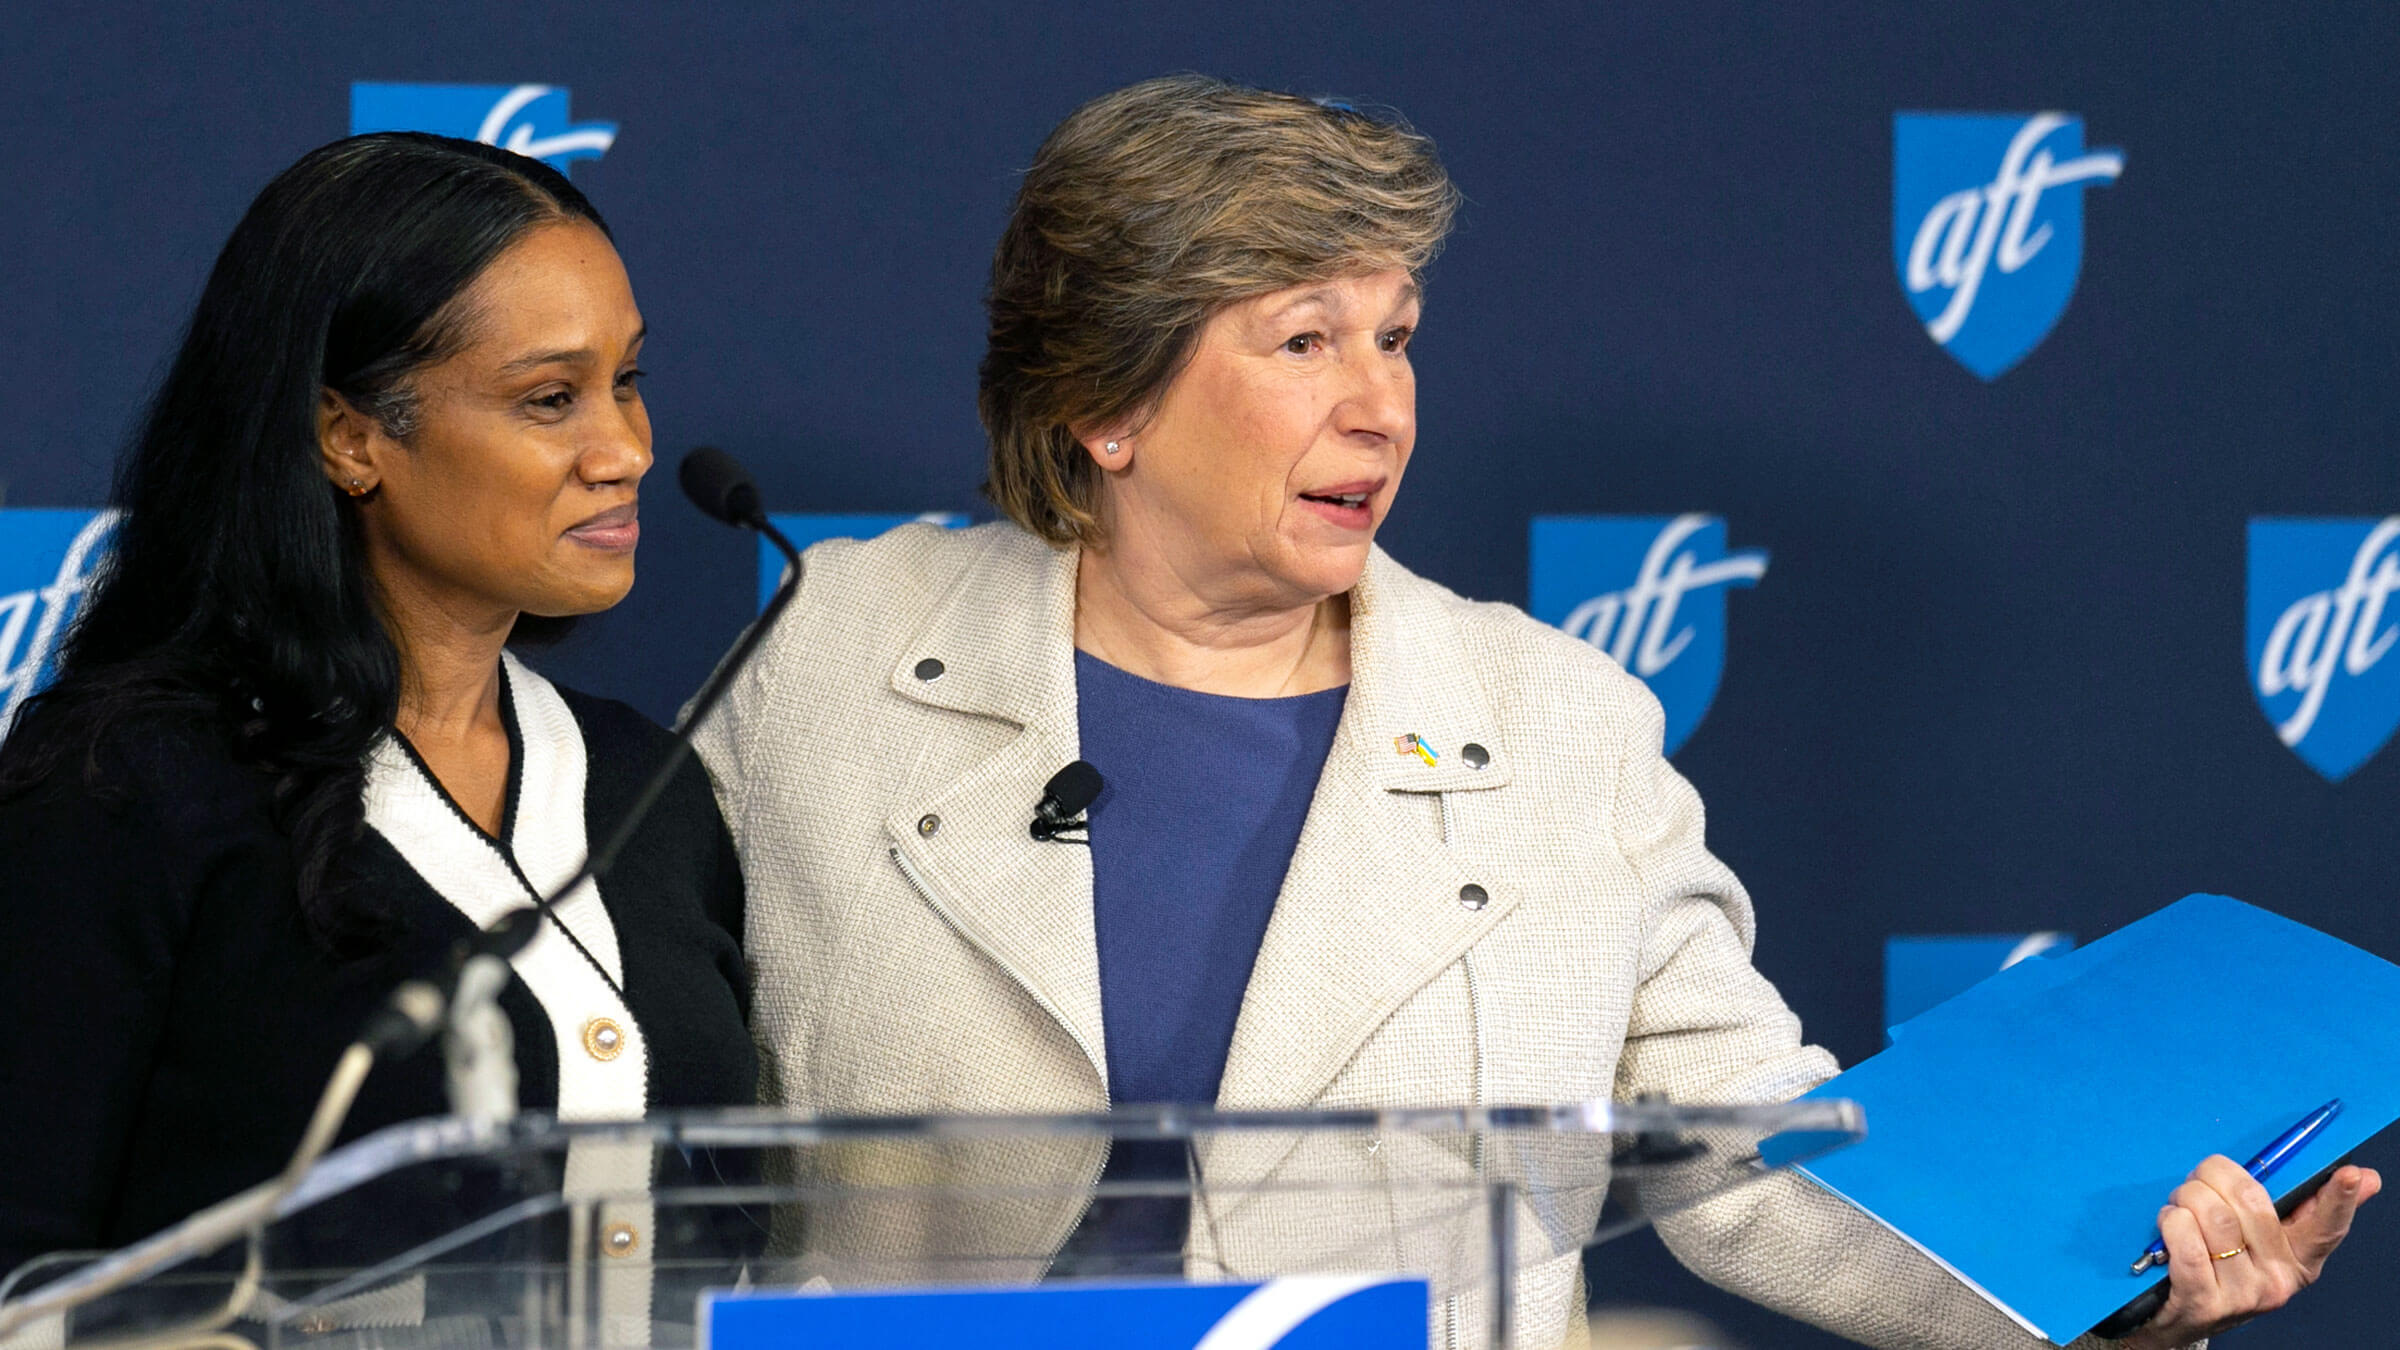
(2081, 1128)
(2230, 1256)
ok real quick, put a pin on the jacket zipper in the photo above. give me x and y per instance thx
(1466, 961)
(1474, 1000)
(1108, 1145)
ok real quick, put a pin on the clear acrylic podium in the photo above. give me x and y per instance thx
(538, 1233)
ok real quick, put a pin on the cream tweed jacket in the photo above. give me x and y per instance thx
(915, 951)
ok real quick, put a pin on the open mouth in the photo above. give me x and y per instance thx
(1343, 506)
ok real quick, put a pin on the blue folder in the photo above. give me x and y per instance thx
(2025, 1133)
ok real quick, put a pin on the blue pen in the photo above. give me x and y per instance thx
(2263, 1166)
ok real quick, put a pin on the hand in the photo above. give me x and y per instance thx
(2218, 1209)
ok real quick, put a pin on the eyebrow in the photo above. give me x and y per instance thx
(1323, 298)
(567, 356)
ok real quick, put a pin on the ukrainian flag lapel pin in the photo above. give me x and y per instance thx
(1413, 744)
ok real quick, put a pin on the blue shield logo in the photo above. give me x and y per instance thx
(46, 560)
(530, 119)
(804, 530)
(2319, 638)
(1987, 226)
(1922, 972)
(1649, 591)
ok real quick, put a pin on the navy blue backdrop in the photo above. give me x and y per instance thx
(1998, 675)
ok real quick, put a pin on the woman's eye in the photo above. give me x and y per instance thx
(1397, 338)
(1301, 344)
(556, 401)
(630, 380)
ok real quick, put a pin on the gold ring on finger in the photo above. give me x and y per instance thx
(2227, 1256)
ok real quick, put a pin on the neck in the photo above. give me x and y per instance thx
(449, 666)
(1147, 620)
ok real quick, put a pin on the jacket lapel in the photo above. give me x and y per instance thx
(1371, 907)
(1005, 638)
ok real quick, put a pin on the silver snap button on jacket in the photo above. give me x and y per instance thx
(1475, 755)
(930, 670)
(1473, 896)
(926, 825)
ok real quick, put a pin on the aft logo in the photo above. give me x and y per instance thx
(1987, 226)
(1649, 591)
(1920, 973)
(46, 560)
(530, 119)
(2320, 641)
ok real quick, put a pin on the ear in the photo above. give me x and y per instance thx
(347, 444)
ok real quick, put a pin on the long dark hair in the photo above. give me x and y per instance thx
(237, 595)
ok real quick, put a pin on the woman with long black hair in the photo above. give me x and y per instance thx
(288, 758)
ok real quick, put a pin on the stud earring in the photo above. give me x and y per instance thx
(1112, 447)
(357, 488)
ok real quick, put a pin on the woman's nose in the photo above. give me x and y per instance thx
(621, 453)
(1383, 398)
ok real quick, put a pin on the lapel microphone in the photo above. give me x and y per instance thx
(1068, 794)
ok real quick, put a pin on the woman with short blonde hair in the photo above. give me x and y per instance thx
(1361, 842)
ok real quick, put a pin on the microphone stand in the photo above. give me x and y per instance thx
(597, 863)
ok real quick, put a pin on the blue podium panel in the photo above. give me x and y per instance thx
(1297, 1312)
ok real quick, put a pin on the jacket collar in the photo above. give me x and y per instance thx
(1374, 904)
(1371, 907)
(1004, 636)
(1411, 672)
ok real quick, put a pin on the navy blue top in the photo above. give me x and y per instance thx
(1191, 836)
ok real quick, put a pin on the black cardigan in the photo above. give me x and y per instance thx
(167, 1023)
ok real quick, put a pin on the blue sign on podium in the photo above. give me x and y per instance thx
(1295, 1312)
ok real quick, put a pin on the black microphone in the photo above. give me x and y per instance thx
(1068, 794)
(416, 1008)
(718, 484)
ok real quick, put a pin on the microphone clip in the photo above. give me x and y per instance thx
(1076, 830)
(1060, 815)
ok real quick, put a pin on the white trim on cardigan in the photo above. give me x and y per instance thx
(548, 838)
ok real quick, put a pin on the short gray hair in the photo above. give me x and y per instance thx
(1147, 211)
